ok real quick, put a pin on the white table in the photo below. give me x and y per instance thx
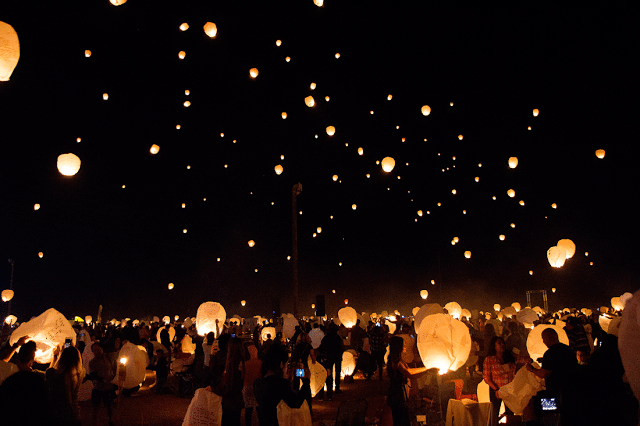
(470, 413)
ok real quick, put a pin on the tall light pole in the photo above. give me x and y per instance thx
(10, 287)
(297, 189)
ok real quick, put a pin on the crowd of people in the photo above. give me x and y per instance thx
(254, 372)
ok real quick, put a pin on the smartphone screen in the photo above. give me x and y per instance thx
(67, 343)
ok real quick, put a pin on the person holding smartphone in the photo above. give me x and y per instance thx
(299, 360)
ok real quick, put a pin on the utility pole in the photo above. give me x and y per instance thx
(297, 189)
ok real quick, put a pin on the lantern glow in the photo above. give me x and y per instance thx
(388, 164)
(210, 29)
(68, 164)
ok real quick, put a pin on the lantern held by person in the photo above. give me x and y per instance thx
(443, 342)
(206, 317)
(49, 330)
(348, 316)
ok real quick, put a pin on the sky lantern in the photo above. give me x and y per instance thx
(117, 2)
(388, 164)
(309, 101)
(48, 330)
(536, 347)
(360, 151)
(87, 53)
(284, 115)
(335, 178)
(536, 112)
(318, 3)
(600, 153)
(460, 137)
(154, 149)
(513, 162)
(511, 193)
(312, 86)
(187, 104)
(353, 206)
(424, 294)
(210, 29)
(253, 72)
(184, 26)
(105, 96)
(420, 213)
(454, 309)
(251, 243)
(516, 306)
(496, 307)
(346, 301)
(36, 206)
(278, 169)
(331, 130)
(7, 295)
(467, 254)
(206, 317)
(182, 54)
(443, 342)
(68, 164)
(554, 206)
(337, 55)
(170, 286)
(348, 362)
(426, 110)
(569, 247)
(556, 256)
(501, 237)
(40, 255)
(11, 319)
(616, 304)
(348, 316)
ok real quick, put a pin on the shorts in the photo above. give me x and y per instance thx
(106, 396)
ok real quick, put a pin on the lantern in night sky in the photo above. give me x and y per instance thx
(511, 193)
(312, 86)
(388, 164)
(7, 295)
(454, 309)
(536, 112)
(496, 307)
(278, 169)
(516, 306)
(206, 317)
(308, 101)
(170, 286)
(251, 243)
(467, 254)
(105, 96)
(253, 72)
(360, 151)
(117, 2)
(331, 130)
(154, 149)
(182, 54)
(600, 153)
(87, 53)
(284, 115)
(424, 294)
(36, 206)
(556, 256)
(184, 26)
(68, 164)
(443, 342)
(513, 162)
(426, 110)
(346, 301)
(501, 237)
(353, 206)
(460, 137)
(243, 302)
(210, 29)
(568, 246)
(318, 3)
(554, 206)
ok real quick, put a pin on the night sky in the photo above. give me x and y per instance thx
(121, 247)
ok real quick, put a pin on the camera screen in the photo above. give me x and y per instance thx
(300, 372)
(548, 404)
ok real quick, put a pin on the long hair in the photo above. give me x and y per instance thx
(396, 345)
(234, 365)
(507, 356)
(70, 368)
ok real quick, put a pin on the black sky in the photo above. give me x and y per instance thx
(103, 244)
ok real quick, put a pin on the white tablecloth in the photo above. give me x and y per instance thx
(469, 413)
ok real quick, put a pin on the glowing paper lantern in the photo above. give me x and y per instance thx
(443, 342)
(7, 295)
(36, 206)
(184, 26)
(9, 51)
(425, 311)
(360, 151)
(536, 347)
(211, 29)
(467, 254)
(466, 313)
(424, 294)
(496, 307)
(388, 164)
(509, 311)
(353, 206)
(454, 309)
(11, 319)
(253, 72)
(535, 112)
(600, 153)
(154, 149)
(88, 319)
(170, 286)
(513, 162)
(48, 330)
(309, 101)
(251, 243)
(68, 164)
(243, 302)
(616, 304)
(553, 289)
(268, 332)
(182, 54)
(331, 130)
(105, 96)
(625, 298)
(318, 373)
(426, 110)
(516, 306)
(117, 2)
(166, 319)
(568, 246)
(556, 256)
(278, 169)
(527, 316)
(501, 237)
(511, 193)
(206, 317)
(135, 364)
(87, 53)
(284, 115)
(348, 316)
(289, 326)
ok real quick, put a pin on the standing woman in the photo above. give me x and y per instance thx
(399, 372)
(232, 383)
(498, 370)
(64, 380)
